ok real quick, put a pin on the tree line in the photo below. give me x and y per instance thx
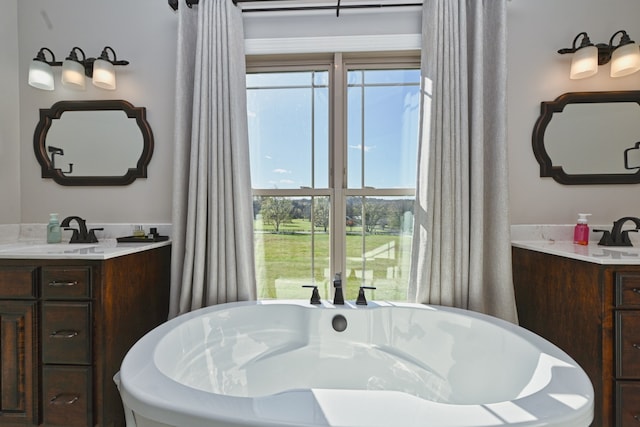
(372, 214)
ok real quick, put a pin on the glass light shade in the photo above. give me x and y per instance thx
(625, 60)
(584, 63)
(41, 75)
(104, 75)
(73, 74)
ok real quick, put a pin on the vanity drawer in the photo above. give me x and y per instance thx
(66, 282)
(18, 282)
(66, 393)
(627, 404)
(66, 332)
(627, 289)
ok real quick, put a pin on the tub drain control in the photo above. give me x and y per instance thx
(339, 323)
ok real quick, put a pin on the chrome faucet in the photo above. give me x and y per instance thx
(338, 297)
(618, 237)
(80, 234)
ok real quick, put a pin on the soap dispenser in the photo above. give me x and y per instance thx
(54, 235)
(581, 230)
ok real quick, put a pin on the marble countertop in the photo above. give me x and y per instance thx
(557, 239)
(590, 253)
(105, 249)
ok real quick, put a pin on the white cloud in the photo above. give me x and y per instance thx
(280, 170)
(359, 147)
(286, 181)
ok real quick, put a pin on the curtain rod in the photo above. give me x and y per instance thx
(337, 7)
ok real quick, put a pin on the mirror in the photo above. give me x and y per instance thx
(107, 142)
(594, 138)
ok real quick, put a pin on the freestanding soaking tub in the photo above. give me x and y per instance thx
(290, 363)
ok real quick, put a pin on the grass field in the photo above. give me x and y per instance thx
(284, 262)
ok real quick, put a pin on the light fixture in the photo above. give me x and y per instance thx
(624, 57)
(104, 73)
(40, 72)
(74, 70)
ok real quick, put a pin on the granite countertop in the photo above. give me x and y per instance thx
(105, 249)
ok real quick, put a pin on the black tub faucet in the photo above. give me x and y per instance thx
(338, 297)
(80, 234)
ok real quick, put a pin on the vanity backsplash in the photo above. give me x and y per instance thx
(561, 233)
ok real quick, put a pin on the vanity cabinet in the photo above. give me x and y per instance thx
(65, 326)
(592, 312)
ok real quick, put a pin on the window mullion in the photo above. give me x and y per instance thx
(338, 171)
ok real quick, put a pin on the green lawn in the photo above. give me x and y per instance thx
(283, 262)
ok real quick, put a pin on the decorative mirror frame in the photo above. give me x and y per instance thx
(47, 115)
(547, 109)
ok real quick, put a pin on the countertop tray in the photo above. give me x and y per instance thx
(144, 239)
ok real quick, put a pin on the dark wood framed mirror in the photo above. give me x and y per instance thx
(104, 142)
(589, 138)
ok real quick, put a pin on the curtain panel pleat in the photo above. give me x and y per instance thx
(212, 252)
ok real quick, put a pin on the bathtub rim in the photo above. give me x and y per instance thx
(138, 399)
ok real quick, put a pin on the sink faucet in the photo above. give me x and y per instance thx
(338, 297)
(80, 234)
(618, 237)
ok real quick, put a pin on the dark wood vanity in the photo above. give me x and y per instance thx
(592, 312)
(65, 326)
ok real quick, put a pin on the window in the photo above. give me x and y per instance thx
(333, 146)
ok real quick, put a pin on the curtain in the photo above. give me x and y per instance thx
(212, 250)
(461, 253)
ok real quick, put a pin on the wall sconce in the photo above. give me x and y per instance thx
(624, 57)
(74, 69)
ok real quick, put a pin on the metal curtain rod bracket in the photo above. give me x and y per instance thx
(174, 3)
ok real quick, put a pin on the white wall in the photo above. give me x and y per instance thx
(9, 114)
(537, 29)
(142, 32)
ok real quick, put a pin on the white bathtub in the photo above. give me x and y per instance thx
(395, 365)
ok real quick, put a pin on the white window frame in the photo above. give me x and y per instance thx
(337, 64)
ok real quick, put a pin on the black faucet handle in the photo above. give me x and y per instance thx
(362, 300)
(91, 236)
(606, 239)
(625, 237)
(75, 237)
(315, 295)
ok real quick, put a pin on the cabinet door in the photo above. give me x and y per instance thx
(18, 363)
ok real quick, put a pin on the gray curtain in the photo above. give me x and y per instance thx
(461, 253)
(212, 251)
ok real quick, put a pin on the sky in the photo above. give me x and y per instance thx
(283, 135)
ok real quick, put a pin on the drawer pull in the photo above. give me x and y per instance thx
(636, 290)
(637, 417)
(64, 399)
(66, 333)
(59, 284)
